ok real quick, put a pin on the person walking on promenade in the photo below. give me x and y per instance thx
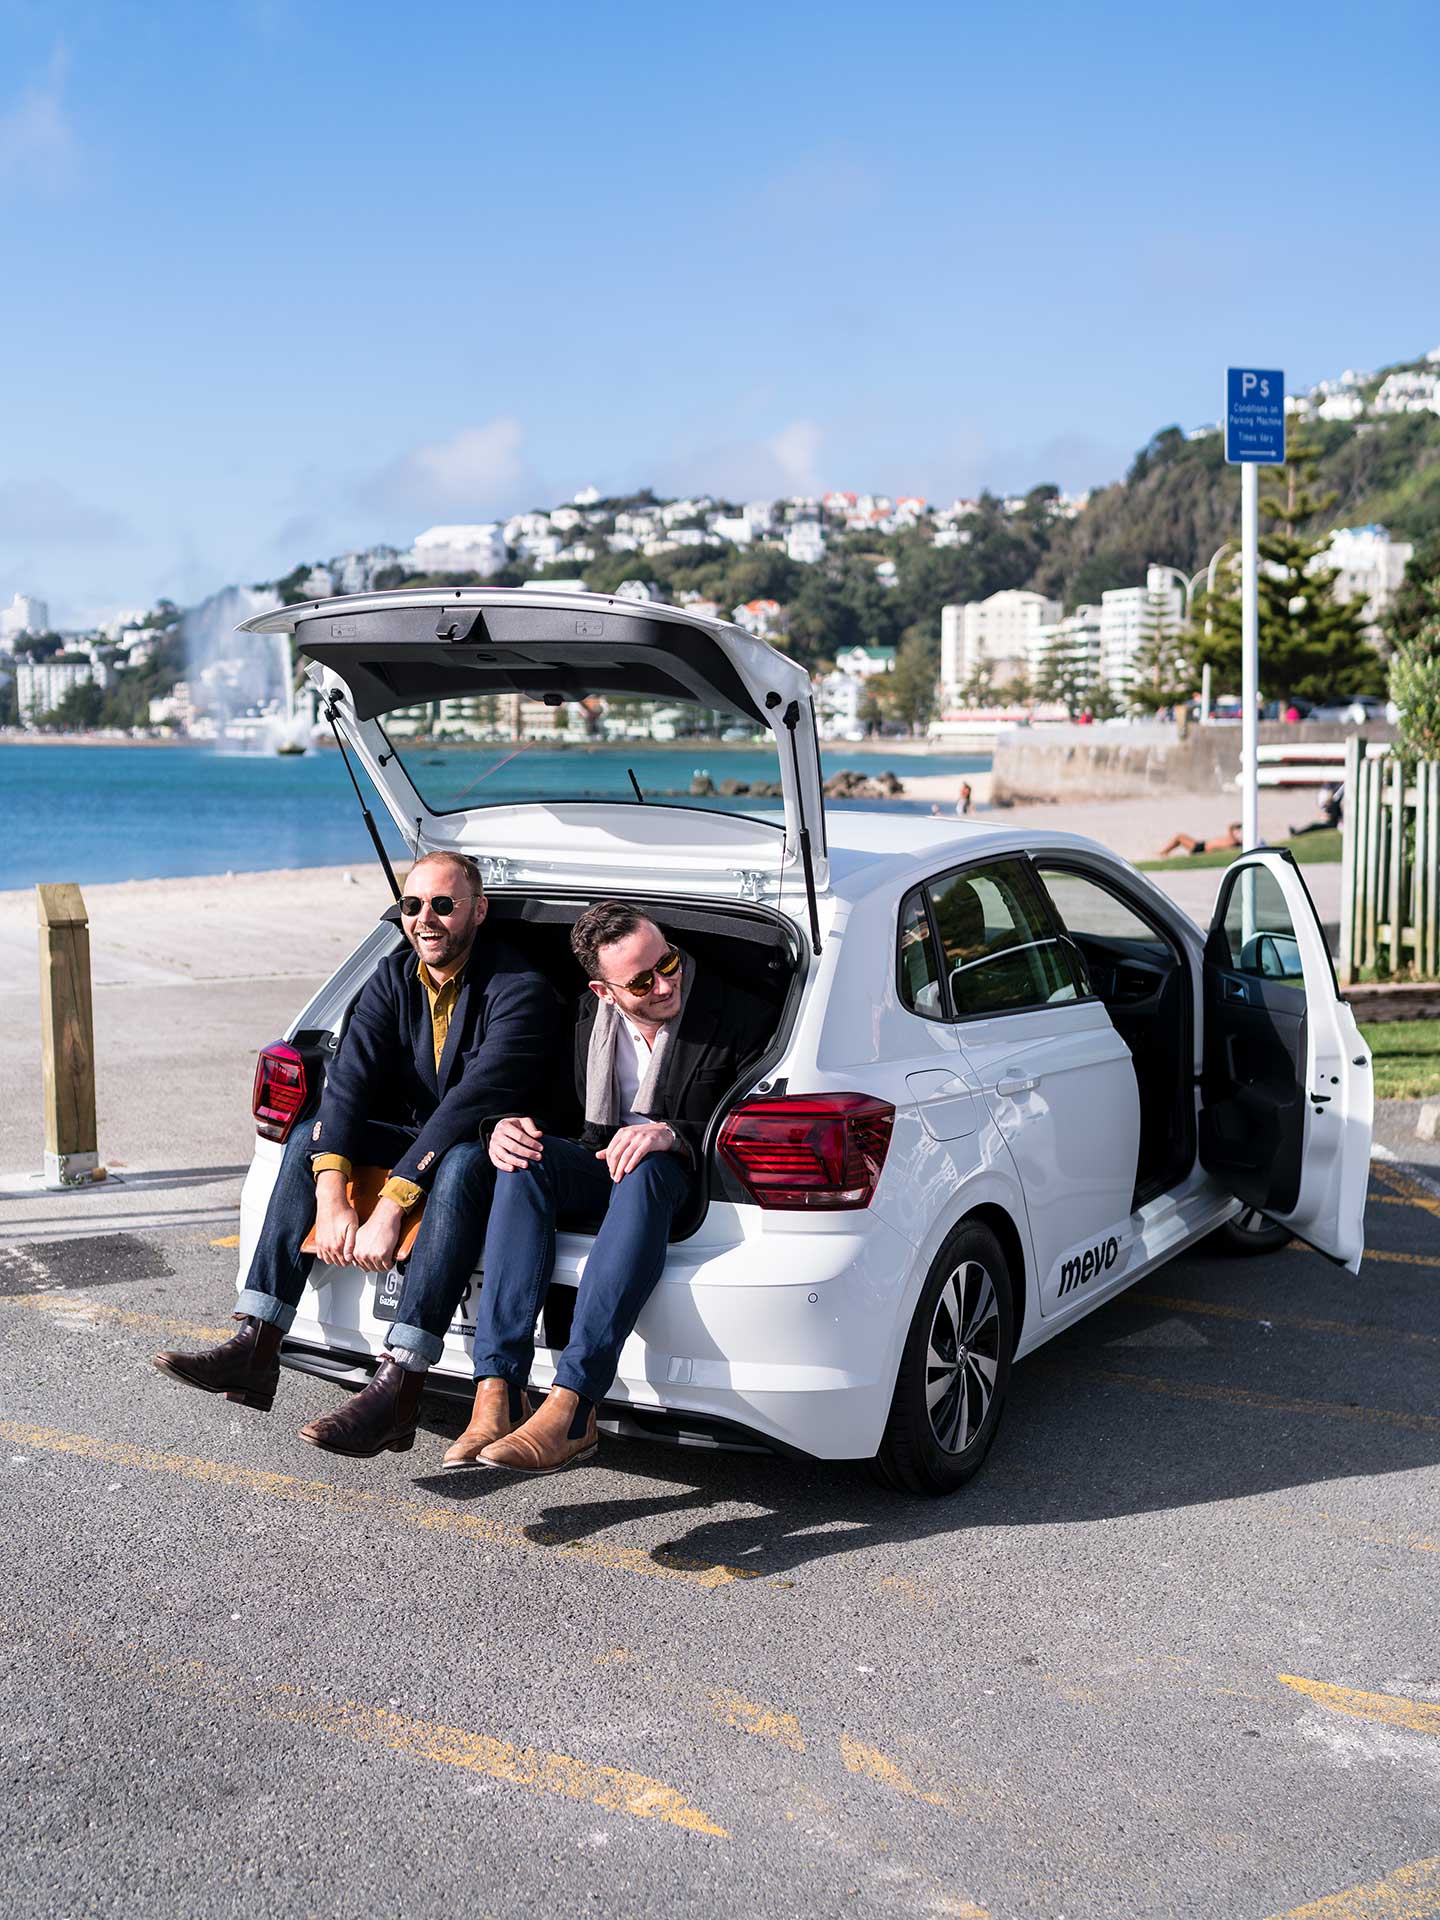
(447, 1033)
(658, 1044)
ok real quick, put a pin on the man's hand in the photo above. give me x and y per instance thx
(631, 1144)
(514, 1143)
(377, 1240)
(336, 1221)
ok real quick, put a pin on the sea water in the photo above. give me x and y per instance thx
(98, 813)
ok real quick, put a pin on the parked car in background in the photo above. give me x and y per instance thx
(1355, 711)
(1007, 1078)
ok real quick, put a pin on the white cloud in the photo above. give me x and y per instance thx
(39, 152)
(795, 451)
(479, 471)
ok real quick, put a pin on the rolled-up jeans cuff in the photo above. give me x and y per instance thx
(571, 1377)
(413, 1347)
(264, 1306)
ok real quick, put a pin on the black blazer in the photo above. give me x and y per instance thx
(722, 1031)
(501, 1051)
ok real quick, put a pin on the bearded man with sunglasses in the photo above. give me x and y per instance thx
(658, 1044)
(445, 1035)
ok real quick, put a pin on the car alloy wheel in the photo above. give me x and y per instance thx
(1249, 1233)
(963, 1357)
(955, 1368)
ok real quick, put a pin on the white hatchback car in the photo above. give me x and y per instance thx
(1007, 1079)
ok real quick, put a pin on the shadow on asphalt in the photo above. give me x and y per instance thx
(1140, 1408)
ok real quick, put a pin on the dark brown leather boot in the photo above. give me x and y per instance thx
(380, 1416)
(245, 1368)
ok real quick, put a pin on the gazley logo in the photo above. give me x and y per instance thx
(1081, 1267)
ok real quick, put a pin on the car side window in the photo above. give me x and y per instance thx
(919, 966)
(1087, 908)
(1002, 949)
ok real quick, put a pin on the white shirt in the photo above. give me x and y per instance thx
(632, 1058)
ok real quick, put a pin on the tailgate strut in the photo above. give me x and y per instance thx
(791, 717)
(332, 708)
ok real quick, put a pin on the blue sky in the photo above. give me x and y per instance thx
(285, 277)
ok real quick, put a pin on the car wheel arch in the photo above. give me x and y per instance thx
(1002, 1225)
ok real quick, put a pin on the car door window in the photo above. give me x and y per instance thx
(919, 965)
(1002, 948)
(1257, 930)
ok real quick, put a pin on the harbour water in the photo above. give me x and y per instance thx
(94, 814)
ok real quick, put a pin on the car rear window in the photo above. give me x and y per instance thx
(1003, 951)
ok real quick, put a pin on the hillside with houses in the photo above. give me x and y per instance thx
(910, 613)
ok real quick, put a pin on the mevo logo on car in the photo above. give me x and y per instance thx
(1079, 1268)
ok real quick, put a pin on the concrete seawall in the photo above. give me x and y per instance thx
(1132, 762)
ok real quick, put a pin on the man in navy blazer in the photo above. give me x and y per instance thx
(446, 1034)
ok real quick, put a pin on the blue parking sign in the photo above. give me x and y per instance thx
(1255, 416)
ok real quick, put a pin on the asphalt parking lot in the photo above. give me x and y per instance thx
(1175, 1652)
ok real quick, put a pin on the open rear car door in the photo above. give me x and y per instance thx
(1287, 1098)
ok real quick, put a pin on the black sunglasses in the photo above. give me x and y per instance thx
(441, 903)
(667, 966)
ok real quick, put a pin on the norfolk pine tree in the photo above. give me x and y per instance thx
(1310, 643)
(1161, 675)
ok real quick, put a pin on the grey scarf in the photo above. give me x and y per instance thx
(601, 1103)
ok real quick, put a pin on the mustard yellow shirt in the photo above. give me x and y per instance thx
(442, 1005)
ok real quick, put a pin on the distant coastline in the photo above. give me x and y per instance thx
(981, 744)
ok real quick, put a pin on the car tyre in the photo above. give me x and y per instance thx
(1249, 1233)
(955, 1369)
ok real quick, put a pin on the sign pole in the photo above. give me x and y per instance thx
(1249, 655)
(1254, 437)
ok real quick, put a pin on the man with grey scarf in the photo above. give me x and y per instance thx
(658, 1044)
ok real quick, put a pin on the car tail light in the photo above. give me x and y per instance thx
(818, 1151)
(280, 1090)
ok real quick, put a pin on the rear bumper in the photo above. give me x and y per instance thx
(776, 1328)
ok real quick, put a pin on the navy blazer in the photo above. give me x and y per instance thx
(501, 1052)
(721, 1031)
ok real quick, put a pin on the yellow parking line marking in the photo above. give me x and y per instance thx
(753, 1716)
(1390, 1709)
(1409, 1893)
(1262, 1402)
(1219, 1312)
(1402, 1259)
(348, 1502)
(1410, 1191)
(96, 1313)
(875, 1765)
(615, 1789)
(230, 1240)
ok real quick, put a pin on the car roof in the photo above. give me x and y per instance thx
(878, 848)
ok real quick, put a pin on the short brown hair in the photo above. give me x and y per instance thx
(470, 868)
(600, 926)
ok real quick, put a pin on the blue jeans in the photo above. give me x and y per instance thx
(444, 1257)
(620, 1274)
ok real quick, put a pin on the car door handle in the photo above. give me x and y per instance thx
(1011, 1083)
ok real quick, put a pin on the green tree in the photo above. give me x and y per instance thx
(1417, 603)
(978, 687)
(909, 689)
(1310, 643)
(1415, 689)
(1067, 678)
(1162, 675)
(80, 707)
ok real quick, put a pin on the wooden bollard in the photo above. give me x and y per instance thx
(67, 1038)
